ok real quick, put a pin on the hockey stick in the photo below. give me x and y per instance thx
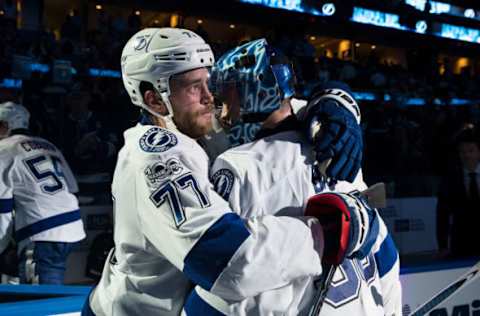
(447, 292)
(322, 290)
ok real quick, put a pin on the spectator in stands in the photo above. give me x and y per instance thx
(9, 8)
(348, 73)
(70, 29)
(88, 144)
(134, 21)
(378, 79)
(458, 208)
(119, 26)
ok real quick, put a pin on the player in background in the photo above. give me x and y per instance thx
(276, 174)
(37, 202)
(172, 230)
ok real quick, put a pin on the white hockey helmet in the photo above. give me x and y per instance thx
(155, 54)
(16, 115)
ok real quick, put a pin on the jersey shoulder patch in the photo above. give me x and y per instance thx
(157, 139)
(223, 181)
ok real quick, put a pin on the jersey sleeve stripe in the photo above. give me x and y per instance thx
(195, 305)
(212, 252)
(371, 239)
(6, 205)
(386, 256)
(47, 223)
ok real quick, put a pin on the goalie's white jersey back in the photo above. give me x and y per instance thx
(274, 176)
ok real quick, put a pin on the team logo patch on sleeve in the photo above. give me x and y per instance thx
(157, 172)
(157, 140)
(223, 182)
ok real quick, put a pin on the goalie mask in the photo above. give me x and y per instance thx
(256, 77)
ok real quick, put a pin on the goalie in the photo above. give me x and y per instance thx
(278, 172)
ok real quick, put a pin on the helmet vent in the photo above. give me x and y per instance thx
(164, 36)
(169, 57)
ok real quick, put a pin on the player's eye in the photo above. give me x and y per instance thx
(194, 88)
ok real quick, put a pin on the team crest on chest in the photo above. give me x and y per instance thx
(157, 140)
(223, 182)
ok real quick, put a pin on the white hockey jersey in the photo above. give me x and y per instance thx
(171, 229)
(274, 176)
(37, 183)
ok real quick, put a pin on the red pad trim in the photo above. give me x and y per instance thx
(327, 204)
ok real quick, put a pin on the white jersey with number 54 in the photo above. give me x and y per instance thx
(38, 185)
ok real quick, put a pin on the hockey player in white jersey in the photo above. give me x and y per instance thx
(37, 204)
(277, 174)
(171, 229)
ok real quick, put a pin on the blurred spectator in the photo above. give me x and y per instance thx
(134, 21)
(88, 144)
(378, 79)
(70, 29)
(203, 34)
(103, 22)
(458, 208)
(323, 74)
(119, 25)
(348, 73)
(9, 8)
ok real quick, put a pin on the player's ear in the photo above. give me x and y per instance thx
(154, 102)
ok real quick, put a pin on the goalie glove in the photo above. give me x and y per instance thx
(334, 112)
(350, 226)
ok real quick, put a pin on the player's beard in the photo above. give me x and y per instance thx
(196, 124)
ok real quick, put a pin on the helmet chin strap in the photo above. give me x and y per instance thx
(168, 119)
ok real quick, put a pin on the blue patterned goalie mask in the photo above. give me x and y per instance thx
(257, 78)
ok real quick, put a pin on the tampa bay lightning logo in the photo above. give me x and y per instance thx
(141, 42)
(157, 140)
(223, 182)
